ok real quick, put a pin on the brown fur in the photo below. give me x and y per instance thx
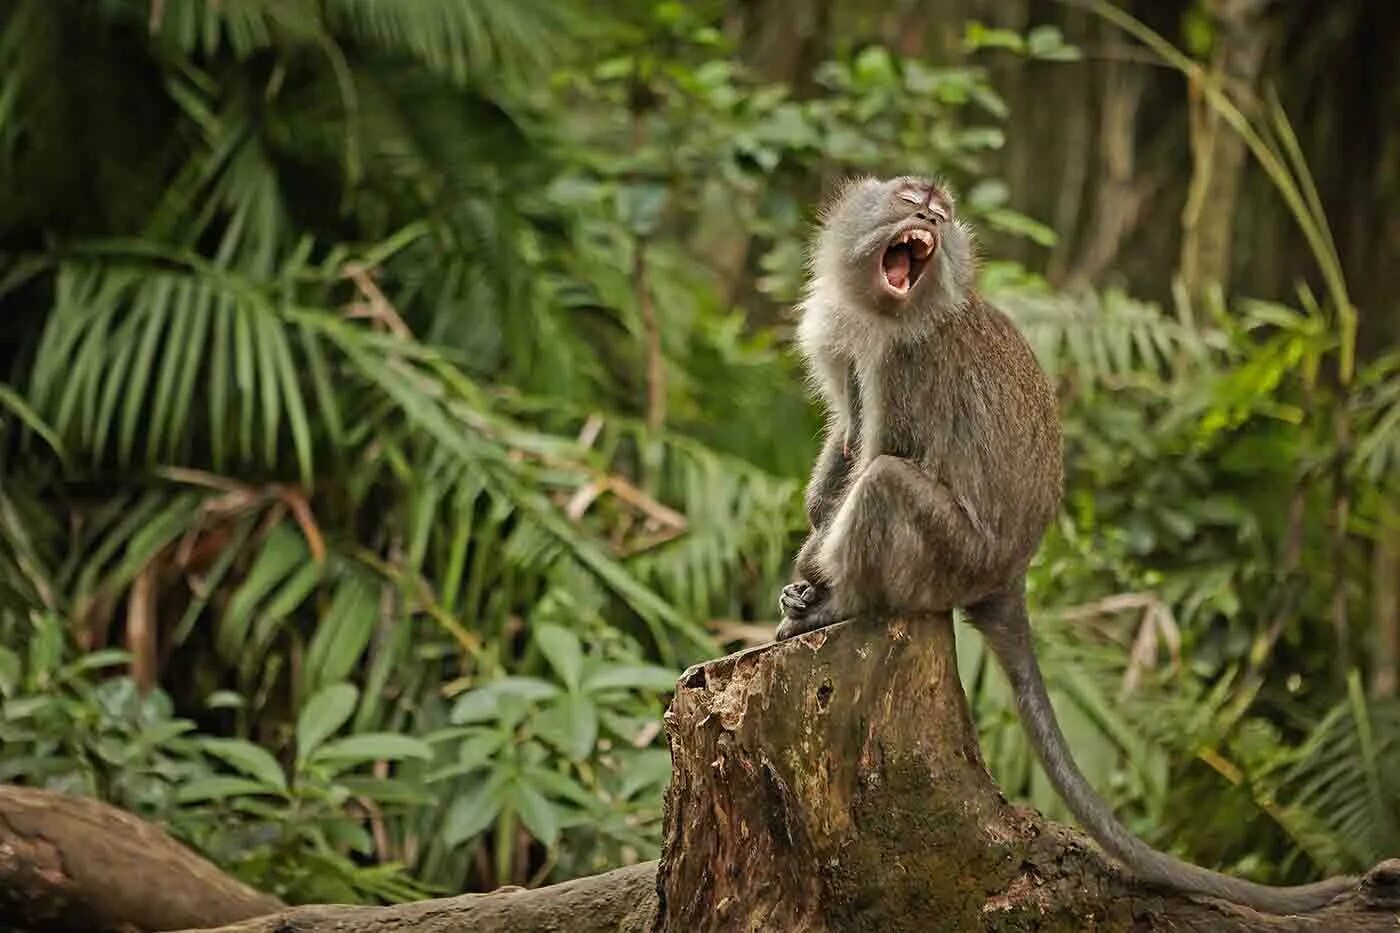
(939, 474)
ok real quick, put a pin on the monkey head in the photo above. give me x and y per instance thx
(894, 247)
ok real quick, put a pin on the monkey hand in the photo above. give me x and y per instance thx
(806, 606)
(799, 596)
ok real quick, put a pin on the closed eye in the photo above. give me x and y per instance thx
(911, 196)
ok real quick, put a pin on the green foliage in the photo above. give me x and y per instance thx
(1193, 483)
(403, 387)
(100, 738)
(569, 756)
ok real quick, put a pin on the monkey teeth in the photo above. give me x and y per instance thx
(905, 258)
(920, 242)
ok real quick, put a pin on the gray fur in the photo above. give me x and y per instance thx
(940, 472)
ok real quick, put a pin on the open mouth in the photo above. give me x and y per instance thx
(905, 260)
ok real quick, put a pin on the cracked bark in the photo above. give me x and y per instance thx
(835, 783)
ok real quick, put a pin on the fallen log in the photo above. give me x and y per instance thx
(619, 901)
(834, 783)
(73, 863)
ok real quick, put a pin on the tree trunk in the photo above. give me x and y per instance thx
(1120, 192)
(1217, 152)
(829, 783)
(835, 783)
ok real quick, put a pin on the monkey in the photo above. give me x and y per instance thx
(940, 471)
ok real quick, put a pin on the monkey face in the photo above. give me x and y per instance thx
(884, 241)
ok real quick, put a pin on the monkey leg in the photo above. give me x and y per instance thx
(900, 542)
(825, 492)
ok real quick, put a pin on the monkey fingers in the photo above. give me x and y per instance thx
(798, 597)
(828, 611)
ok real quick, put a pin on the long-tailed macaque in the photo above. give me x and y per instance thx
(941, 470)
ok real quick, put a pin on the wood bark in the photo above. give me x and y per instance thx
(71, 863)
(835, 783)
(619, 901)
(830, 783)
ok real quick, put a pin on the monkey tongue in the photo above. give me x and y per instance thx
(897, 263)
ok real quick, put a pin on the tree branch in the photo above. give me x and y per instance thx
(71, 863)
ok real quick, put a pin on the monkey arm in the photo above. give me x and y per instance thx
(829, 476)
(901, 541)
(827, 486)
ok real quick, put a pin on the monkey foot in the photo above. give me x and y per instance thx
(806, 607)
(791, 628)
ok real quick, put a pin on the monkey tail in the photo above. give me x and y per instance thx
(1004, 623)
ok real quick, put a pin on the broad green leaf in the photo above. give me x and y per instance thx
(536, 812)
(219, 788)
(472, 812)
(639, 206)
(322, 717)
(483, 703)
(389, 790)
(564, 652)
(294, 591)
(343, 633)
(559, 785)
(649, 768)
(281, 554)
(344, 834)
(633, 677)
(478, 749)
(252, 760)
(108, 657)
(374, 746)
(981, 36)
(23, 708)
(571, 724)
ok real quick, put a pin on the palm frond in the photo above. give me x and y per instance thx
(1341, 791)
(460, 39)
(1377, 451)
(1105, 339)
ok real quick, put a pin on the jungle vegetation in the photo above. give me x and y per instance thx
(395, 396)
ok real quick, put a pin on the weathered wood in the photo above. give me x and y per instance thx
(619, 901)
(72, 863)
(829, 783)
(834, 782)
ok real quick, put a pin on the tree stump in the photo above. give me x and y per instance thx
(834, 782)
(829, 783)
